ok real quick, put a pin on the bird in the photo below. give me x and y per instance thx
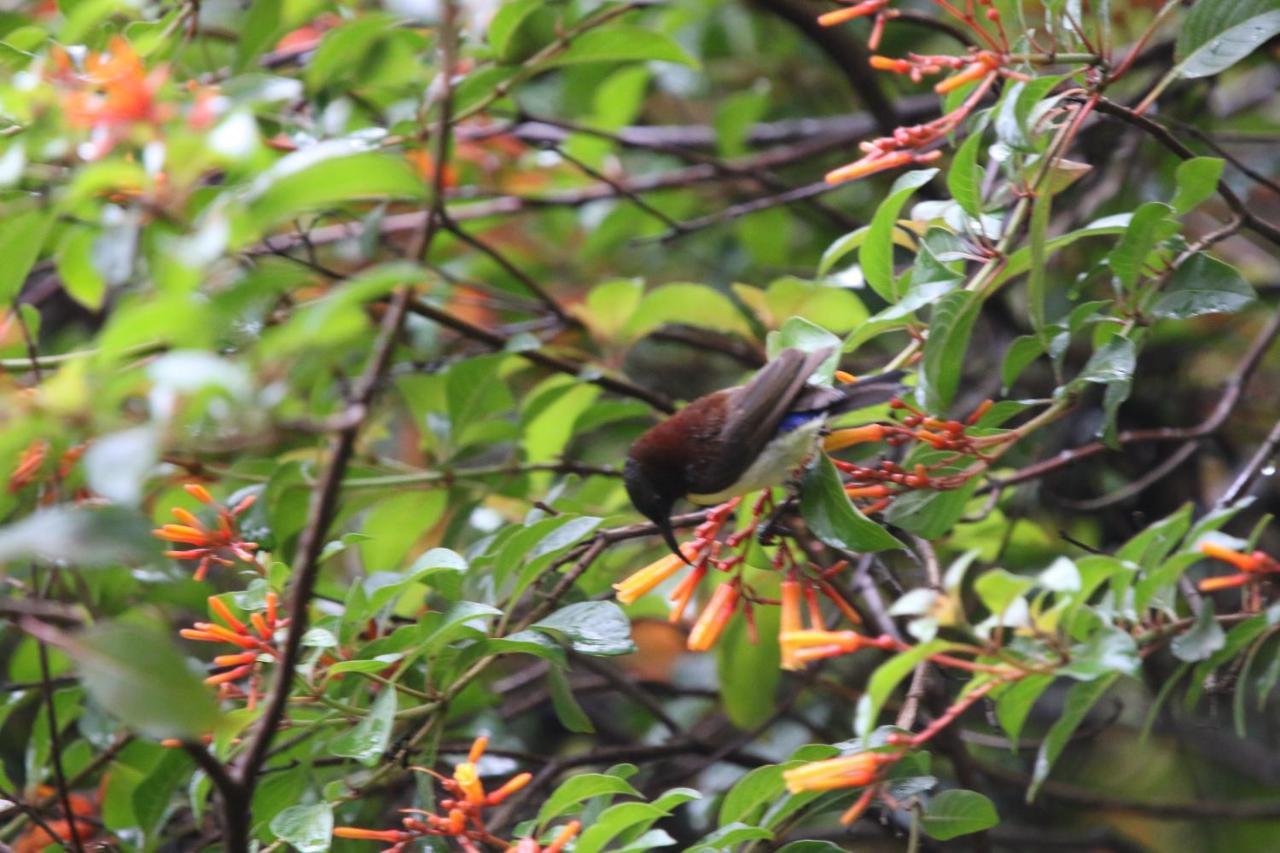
(742, 439)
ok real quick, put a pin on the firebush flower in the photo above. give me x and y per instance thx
(461, 815)
(1252, 566)
(112, 94)
(241, 673)
(847, 771)
(210, 544)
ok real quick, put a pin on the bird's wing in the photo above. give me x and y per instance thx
(756, 409)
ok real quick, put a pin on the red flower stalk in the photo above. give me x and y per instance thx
(211, 544)
(255, 641)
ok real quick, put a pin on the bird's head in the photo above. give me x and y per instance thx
(654, 489)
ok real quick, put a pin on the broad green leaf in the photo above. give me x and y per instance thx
(1080, 698)
(1021, 352)
(80, 276)
(371, 736)
(138, 676)
(567, 709)
(1205, 637)
(622, 43)
(841, 247)
(998, 588)
(833, 518)
(22, 236)
(1217, 34)
(876, 252)
(887, 677)
(964, 178)
(1015, 702)
(259, 28)
(581, 787)
(1108, 652)
(326, 174)
(1020, 260)
(957, 812)
(685, 303)
(591, 627)
(748, 671)
(308, 828)
(950, 327)
(505, 24)
(729, 837)
(1151, 223)
(1196, 180)
(1202, 285)
(625, 817)
(83, 536)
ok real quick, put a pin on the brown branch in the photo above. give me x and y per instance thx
(1230, 396)
(497, 342)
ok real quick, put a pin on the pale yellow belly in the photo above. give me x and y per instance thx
(778, 459)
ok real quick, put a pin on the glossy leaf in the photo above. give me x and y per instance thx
(833, 518)
(953, 813)
(1219, 33)
(1202, 285)
(876, 252)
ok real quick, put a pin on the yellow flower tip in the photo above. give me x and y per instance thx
(469, 781)
(849, 771)
(198, 492)
(646, 579)
(714, 617)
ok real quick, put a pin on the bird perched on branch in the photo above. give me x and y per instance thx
(742, 439)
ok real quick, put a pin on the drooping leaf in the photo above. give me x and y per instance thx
(1202, 285)
(957, 812)
(1217, 34)
(833, 517)
(876, 252)
(1080, 699)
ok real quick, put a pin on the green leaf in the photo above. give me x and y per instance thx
(964, 179)
(748, 671)
(506, 22)
(746, 800)
(138, 676)
(567, 709)
(325, 174)
(1107, 652)
(1202, 285)
(1021, 352)
(368, 741)
(592, 628)
(81, 278)
(1114, 362)
(832, 516)
(1020, 261)
(581, 787)
(957, 812)
(308, 828)
(1205, 637)
(1080, 698)
(624, 43)
(629, 817)
(1196, 181)
(950, 327)
(1217, 34)
(685, 303)
(887, 677)
(998, 588)
(838, 249)
(876, 252)
(729, 837)
(21, 238)
(84, 536)
(1015, 702)
(1151, 223)
(259, 28)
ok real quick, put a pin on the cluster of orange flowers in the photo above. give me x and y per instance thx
(461, 814)
(256, 642)
(1253, 567)
(911, 145)
(31, 463)
(110, 94)
(210, 544)
(875, 486)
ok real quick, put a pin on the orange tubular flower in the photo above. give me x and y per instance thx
(648, 578)
(714, 617)
(246, 664)
(210, 544)
(1243, 562)
(790, 621)
(805, 646)
(976, 71)
(839, 16)
(843, 438)
(29, 464)
(869, 165)
(849, 771)
(1252, 566)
